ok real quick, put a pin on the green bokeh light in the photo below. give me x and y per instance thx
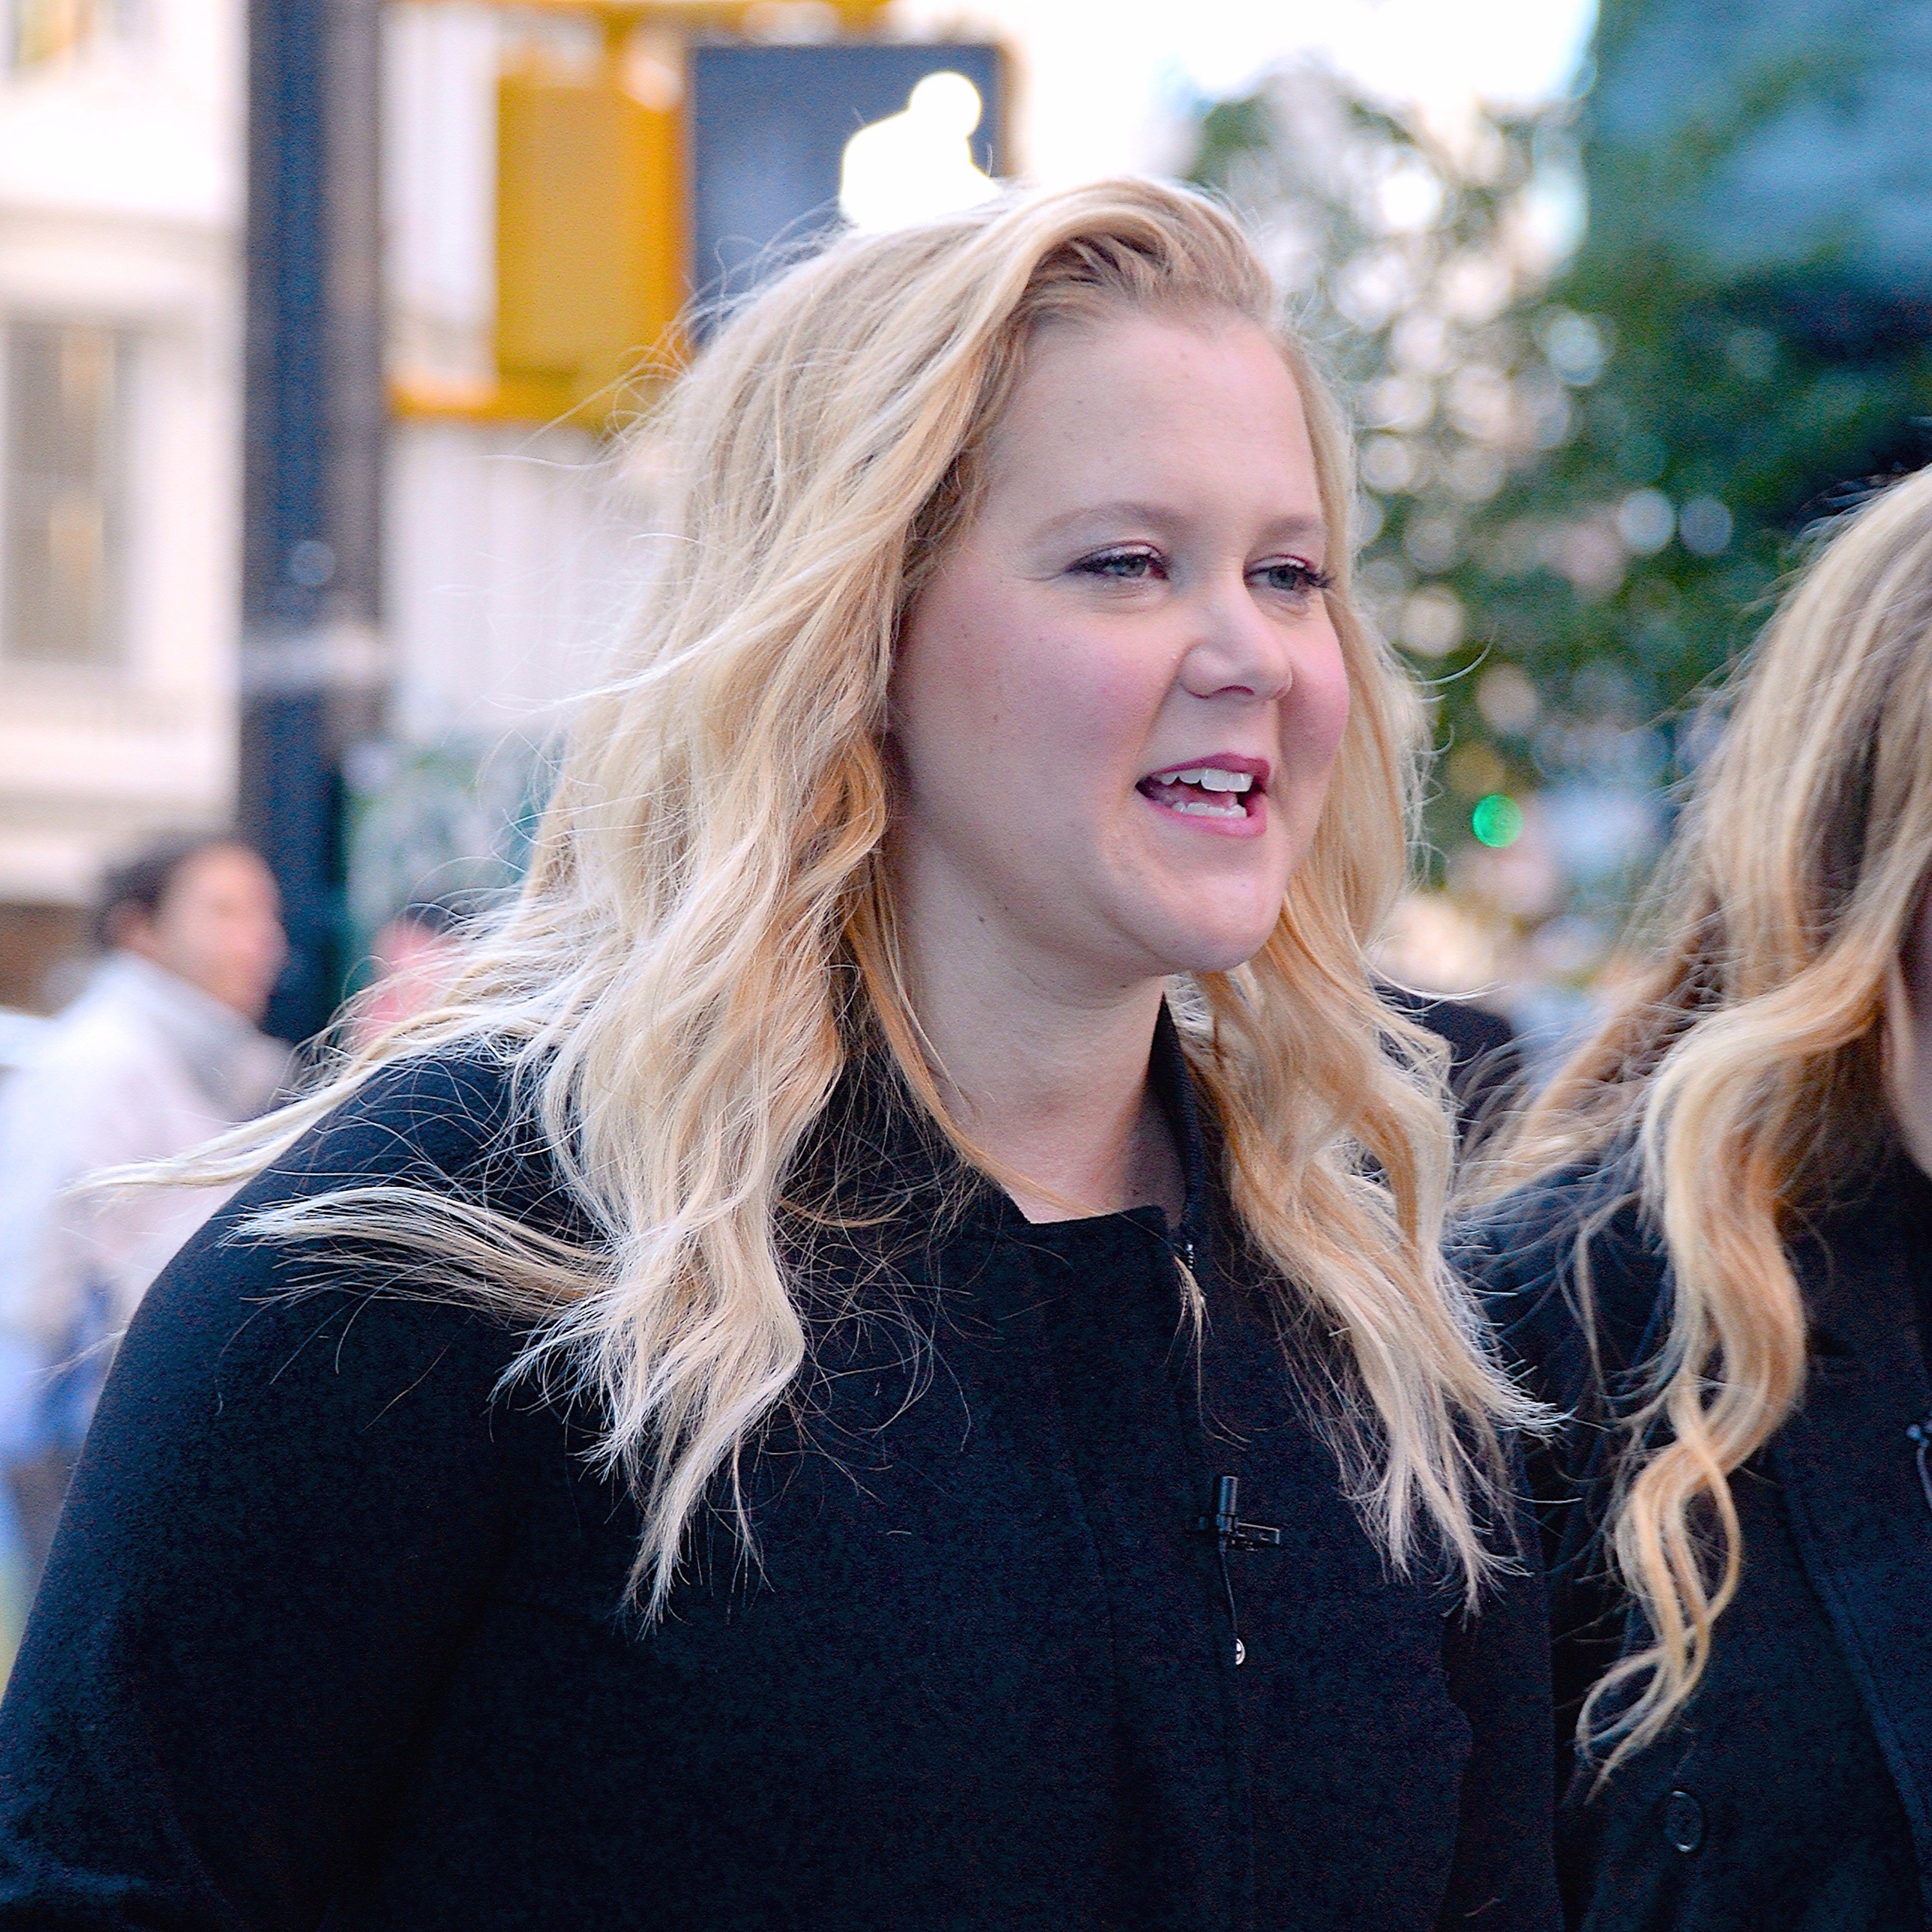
(1497, 819)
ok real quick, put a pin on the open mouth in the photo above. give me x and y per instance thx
(1226, 788)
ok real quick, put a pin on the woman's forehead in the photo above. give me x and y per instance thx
(1120, 410)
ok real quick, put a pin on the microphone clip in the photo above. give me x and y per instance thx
(1225, 1526)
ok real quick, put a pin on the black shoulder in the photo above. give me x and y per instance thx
(1569, 1275)
(452, 1125)
(241, 1289)
(458, 1124)
(431, 1114)
(303, 1479)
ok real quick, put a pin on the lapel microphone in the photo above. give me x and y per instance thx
(1224, 1524)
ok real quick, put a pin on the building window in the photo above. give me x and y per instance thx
(38, 31)
(66, 385)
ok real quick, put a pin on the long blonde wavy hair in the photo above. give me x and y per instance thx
(1746, 1069)
(707, 925)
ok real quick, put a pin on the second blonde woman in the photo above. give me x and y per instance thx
(1718, 1257)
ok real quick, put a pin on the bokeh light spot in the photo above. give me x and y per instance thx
(1497, 819)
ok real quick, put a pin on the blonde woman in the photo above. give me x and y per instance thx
(1720, 1259)
(882, 1359)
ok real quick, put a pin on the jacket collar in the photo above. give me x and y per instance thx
(875, 1149)
(1173, 1082)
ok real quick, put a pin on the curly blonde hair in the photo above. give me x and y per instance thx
(1746, 1067)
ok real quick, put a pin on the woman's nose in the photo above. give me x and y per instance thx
(1238, 649)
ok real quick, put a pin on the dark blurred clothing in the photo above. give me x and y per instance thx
(1794, 1792)
(1485, 1061)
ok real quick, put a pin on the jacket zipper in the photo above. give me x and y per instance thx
(1223, 1520)
(1920, 1434)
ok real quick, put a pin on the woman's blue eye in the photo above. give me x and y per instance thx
(1294, 577)
(1122, 566)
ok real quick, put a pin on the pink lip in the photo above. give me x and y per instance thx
(1257, 768)
(1251, 825)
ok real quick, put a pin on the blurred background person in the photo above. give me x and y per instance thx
(414, 956)
(161, 1051)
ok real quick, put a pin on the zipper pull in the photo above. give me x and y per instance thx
(1920, 1433)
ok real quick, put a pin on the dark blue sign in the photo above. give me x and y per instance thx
(768, 128)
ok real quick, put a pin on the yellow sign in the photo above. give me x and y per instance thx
(590, 241)
(591, 223)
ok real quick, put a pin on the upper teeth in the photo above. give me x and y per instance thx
(1209, 778)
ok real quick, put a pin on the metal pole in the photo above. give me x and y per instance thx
(312, 661)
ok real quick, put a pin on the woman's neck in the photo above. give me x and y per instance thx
(1055, 1090)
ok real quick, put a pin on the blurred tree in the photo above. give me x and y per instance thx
(1584, 478)
(1420, 259)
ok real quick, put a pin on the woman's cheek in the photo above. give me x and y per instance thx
(1319, 712)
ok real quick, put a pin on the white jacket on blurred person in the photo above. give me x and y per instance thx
(142, 1065)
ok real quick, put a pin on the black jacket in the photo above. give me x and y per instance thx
(1486, 1061)
(332, 1630)
(1796, 1790)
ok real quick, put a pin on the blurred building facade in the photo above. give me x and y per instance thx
(508, 528)
(120, 318)
(165, 399)
(518, 516)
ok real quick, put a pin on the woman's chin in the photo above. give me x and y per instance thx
(1220, 950)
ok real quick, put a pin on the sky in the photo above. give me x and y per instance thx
(1103, 85)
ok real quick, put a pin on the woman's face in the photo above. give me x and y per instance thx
(1119, 697)
(219, 927)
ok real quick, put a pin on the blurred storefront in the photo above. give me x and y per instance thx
(559, 181)
(120, 199)
(315, 500)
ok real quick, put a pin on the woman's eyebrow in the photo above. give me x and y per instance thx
(1154, 515)
(1299, 529)
(1293, 527)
